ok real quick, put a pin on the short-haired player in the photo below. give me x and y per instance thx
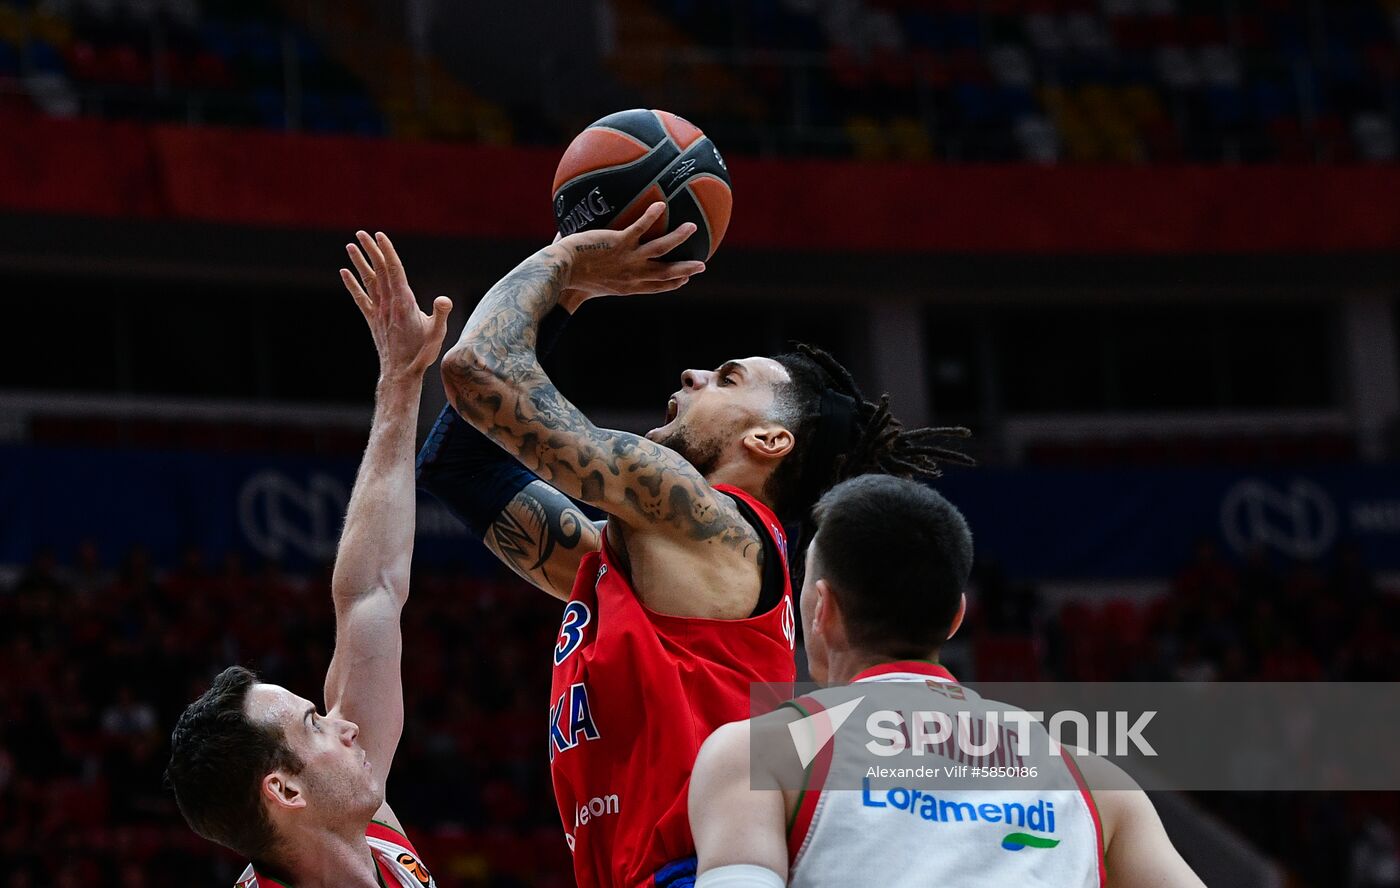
(883, 590)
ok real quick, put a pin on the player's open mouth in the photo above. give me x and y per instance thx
(673, 409)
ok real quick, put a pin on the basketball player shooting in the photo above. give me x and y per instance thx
(682, 599)
(256, 767)
(882, 591)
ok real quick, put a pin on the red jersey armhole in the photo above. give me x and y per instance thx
(1079, 781)
(384, 832)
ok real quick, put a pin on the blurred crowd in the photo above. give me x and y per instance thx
(98, 662)
(1259, 620)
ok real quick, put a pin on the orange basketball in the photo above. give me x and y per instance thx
(625, 162)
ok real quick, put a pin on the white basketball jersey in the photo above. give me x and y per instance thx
(395, 860)
(903, 837)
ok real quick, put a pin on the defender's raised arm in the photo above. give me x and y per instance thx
(370, 582)
(255, 766)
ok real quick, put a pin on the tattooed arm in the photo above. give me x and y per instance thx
(542, 536)
(495, 381)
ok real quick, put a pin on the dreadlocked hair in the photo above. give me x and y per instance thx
(879, 442)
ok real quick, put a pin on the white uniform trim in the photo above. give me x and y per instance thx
(739, 875)
(1044, 835)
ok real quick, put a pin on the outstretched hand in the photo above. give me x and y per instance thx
(407, 339)
(604, 262)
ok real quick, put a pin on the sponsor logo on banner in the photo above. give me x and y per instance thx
(280, 515)
(1298, 519)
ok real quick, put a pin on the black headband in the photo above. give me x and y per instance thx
(833, 431)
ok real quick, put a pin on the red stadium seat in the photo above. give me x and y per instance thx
(127, 66)
(83, 62)
(209, 71)
(1006, 658)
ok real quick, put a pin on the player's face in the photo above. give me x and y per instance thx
(708, 416)
(336, 778)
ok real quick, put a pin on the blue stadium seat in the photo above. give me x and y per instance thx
(44, 58)
(976, 102)
(9, 60)
(1227, 105)
(1015, 102)
(358, 115)
(1271, 100)
(964, 31)
(219, 39)
(317, 116)
(271, 108)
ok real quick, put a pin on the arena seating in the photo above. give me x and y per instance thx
(1124, 81)
(169, 60)
(1116, 81)
(225, 63)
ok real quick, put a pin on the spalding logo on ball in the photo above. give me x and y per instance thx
(627, 161)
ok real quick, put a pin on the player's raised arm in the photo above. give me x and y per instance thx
(494, 379)
(370, 581)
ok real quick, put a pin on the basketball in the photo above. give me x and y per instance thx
(620, 165)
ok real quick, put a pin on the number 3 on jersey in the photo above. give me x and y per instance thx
(576, 617)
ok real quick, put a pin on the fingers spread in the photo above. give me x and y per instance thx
(361, 263)
(393, 264)
(372, 250)
(648, 218)
(358, 294)
(669, 241)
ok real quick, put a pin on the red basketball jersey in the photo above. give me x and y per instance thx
(634, 695)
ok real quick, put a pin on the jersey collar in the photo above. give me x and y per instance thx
(919, 669)
(269, 882)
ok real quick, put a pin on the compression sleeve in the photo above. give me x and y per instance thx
(466, 470)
